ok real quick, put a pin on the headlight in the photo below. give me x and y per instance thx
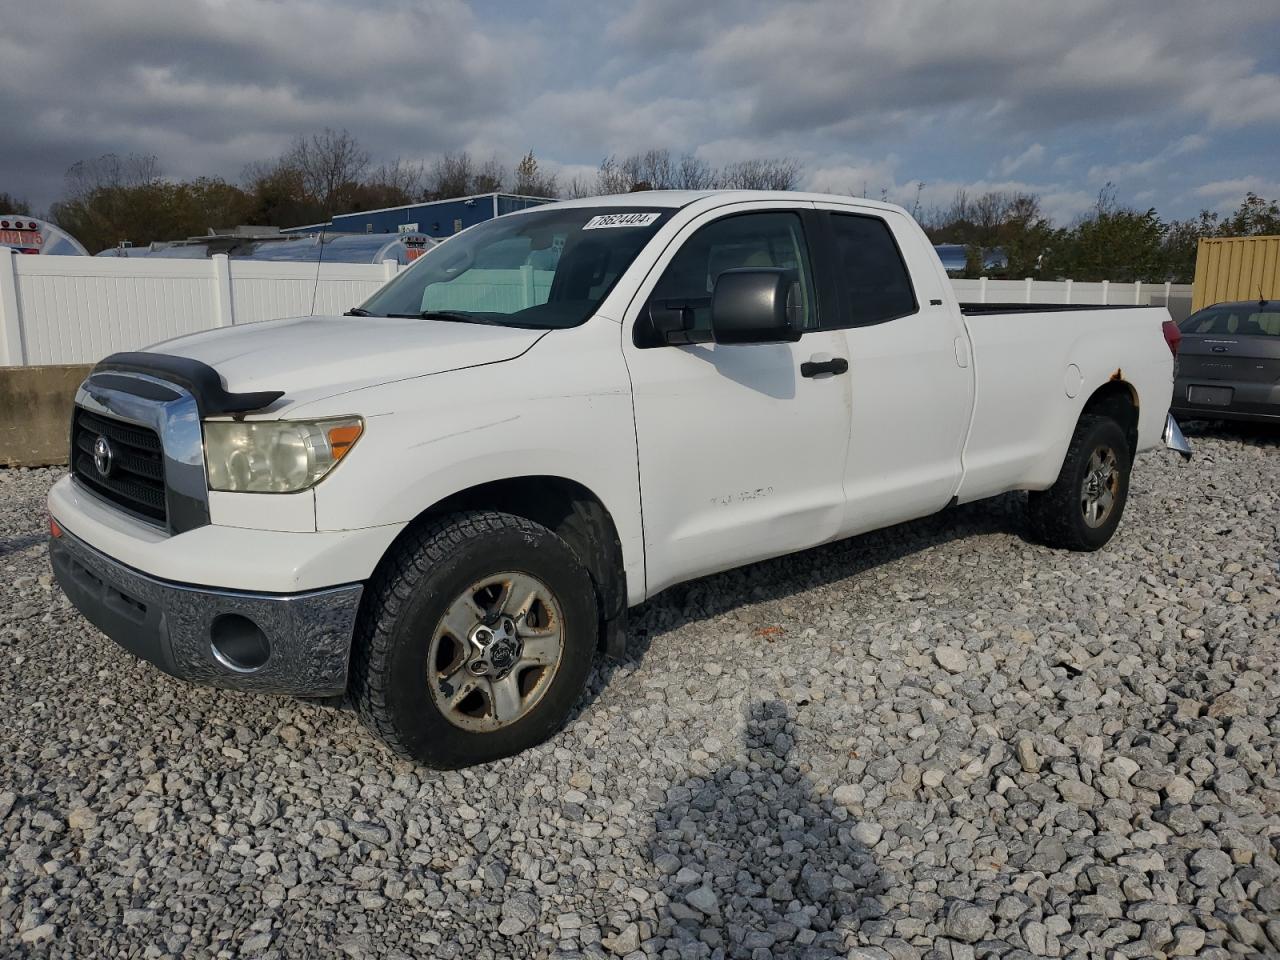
(275, 456)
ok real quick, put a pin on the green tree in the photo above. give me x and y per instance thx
(11, 204)
(1026, 236)
(278, 197)
(1112, 243)
(1253, 218)
(112, 199)
(531, 181)
(1181, 243)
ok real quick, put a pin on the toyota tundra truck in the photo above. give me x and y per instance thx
(443, 503)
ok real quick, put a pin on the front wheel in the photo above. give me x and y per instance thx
(475, 641)
(1083, 507)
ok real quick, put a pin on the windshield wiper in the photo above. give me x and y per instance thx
(456, 316)
(357, 312)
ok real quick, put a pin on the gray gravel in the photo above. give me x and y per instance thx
(936, 741)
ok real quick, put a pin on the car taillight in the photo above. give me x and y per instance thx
(1172, 336)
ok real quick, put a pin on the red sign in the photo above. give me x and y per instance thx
(27, 241)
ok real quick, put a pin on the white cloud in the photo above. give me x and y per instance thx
(1054, 95)
(1033, 156)
(208, 86)
(1129, 173)
(1189, 144)
(1235, 188)
(1238, 98)
(881, 179)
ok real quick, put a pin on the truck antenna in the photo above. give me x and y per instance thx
(319, 260)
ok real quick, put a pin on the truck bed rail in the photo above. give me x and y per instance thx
(977, 309)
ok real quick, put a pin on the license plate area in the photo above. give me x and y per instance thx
(1210, 396)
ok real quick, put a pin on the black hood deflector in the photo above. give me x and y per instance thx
(204, 382)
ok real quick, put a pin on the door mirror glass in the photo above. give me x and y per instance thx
(751, 305)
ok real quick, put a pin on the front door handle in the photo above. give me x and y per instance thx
(819, 364)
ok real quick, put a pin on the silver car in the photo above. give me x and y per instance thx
(1229, 363)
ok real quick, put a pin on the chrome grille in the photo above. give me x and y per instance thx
(135, 478)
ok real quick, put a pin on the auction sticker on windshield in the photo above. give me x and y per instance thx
(620, 220)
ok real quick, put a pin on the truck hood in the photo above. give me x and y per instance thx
(311, 358)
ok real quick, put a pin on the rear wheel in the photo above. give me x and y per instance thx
(476, 640)
(1083, 508)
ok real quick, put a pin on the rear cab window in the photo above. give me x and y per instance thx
(871, 277)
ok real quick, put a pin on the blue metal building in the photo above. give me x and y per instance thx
(436, 218)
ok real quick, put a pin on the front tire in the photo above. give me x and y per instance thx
(1083, 507)
(475, 640)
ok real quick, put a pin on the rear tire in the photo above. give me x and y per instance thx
(1083, 507)
(451, 687)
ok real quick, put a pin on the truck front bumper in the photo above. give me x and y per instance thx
(297, 643)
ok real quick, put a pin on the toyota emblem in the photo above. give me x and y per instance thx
(103, 456)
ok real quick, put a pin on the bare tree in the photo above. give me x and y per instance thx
(1024, 207)
(399, 177)
(961, 210)
(451, 175)
(614, 177)
(915, 206)
(761, 174)
(108, 172)
(580, 186)
(656, 168)
(490, 178)
(328, 162)
(693, 173)
(989, 212)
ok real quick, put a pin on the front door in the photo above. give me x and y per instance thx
(742, 453)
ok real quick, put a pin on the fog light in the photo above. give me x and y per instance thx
(239, 643)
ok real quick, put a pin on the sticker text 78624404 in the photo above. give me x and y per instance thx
(620, 220)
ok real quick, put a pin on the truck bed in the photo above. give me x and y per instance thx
(1034, 372)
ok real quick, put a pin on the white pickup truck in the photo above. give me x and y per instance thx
(444, 502)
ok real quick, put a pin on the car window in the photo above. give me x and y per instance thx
(1245, 321)
(743, 240)
(869, 269)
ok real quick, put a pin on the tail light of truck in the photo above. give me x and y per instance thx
(1172, 336)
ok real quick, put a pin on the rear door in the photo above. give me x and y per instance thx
(910, 375)
(741, 447)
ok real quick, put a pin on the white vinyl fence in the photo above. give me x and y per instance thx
(1175, 296)
(79, 309)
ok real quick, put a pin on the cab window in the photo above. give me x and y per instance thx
(773, 239)
(874, 283)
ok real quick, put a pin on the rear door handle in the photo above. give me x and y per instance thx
(819, 364)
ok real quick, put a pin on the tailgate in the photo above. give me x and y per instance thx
(1238, 359)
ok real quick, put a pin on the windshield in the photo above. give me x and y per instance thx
(546, 269)
(1241, 320)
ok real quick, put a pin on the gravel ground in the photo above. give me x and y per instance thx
(936, 741)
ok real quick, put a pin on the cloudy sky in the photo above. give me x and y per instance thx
(1177, 102)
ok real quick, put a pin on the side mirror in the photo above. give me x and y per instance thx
(749, 305)
(667, 322)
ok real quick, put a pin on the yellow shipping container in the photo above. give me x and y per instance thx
(1236, 268)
